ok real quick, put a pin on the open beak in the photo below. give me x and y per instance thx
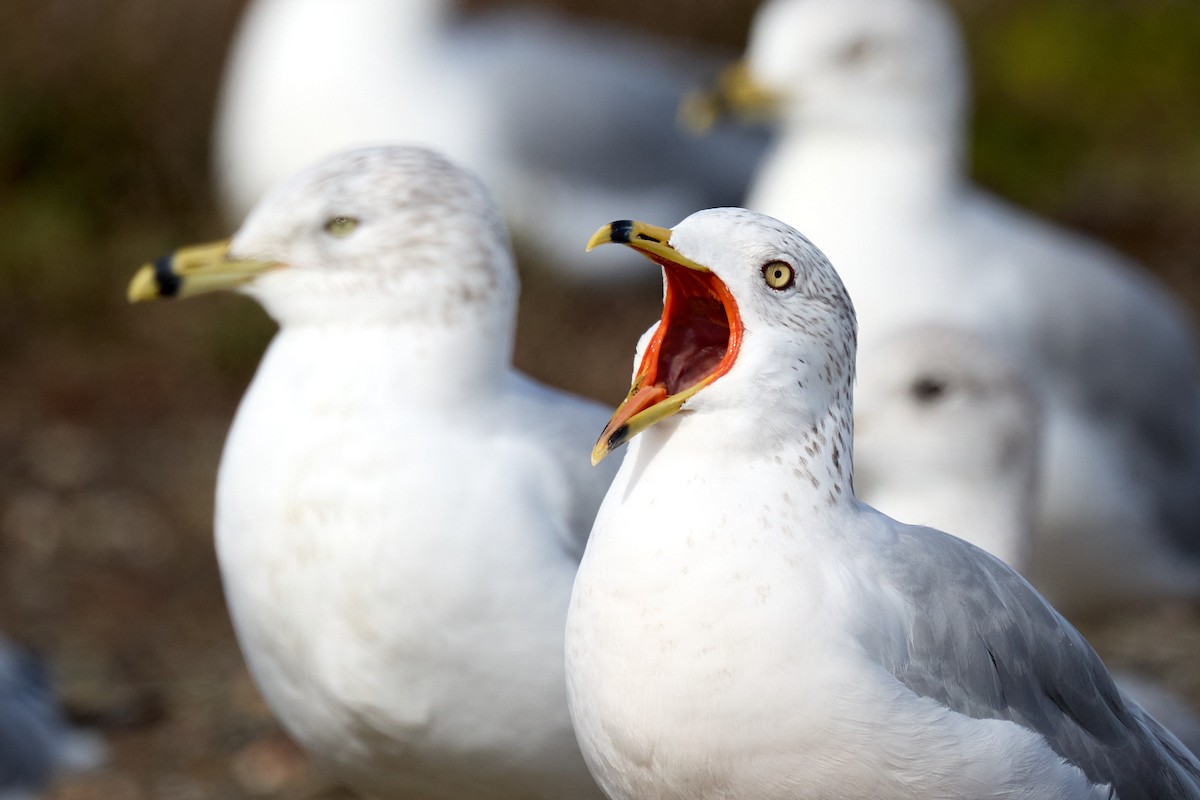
(734, 94)
(195, 270)
(696, 342)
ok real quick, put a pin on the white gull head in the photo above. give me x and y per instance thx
(365, 238)
(753, 314)
(946, 434)
(857, 63)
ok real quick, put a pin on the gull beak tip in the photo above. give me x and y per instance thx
(698, 112)
(602, 236)
(600, 451)
(619, 231)
(143, 286)
(609, 441)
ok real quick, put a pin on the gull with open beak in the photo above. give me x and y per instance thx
(870, 99)
(399, 512)
(742, 626)
(700, 328)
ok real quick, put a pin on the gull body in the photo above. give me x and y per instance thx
(872, 104)
(743, 626)
(399, 513)
(538, 104)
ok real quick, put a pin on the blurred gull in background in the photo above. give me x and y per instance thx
(399, 513)
(36, 741)
(871, 99)
(946, 434)
(542, 106)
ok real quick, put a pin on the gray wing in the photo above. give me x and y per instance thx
(984, 643)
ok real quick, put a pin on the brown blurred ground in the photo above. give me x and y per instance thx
(112, 418)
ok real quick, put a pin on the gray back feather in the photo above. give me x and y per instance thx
(984, 643)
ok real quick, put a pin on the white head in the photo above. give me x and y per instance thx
(754, 317)
(391, 235)
(856, 64)
(947, 434)
(420, 240)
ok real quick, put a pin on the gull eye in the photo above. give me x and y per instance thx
(778, 275)
(857, 51)
(927, 389)
(341, 227)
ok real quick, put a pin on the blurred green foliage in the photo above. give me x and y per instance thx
(1076, 97)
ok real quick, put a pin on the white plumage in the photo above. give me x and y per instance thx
(399, 512)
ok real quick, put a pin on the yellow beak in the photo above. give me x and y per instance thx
(195, 270)
(655, 395)
(734, 94)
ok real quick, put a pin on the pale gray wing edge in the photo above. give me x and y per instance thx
(983, 642)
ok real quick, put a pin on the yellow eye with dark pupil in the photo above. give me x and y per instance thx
(341, 226)
(779, 275)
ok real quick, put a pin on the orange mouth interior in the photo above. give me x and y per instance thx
(699, 335)
(696, 342)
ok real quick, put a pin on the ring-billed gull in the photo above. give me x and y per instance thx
(872, 99)
(743, 626)
(399, 513)
(946, 434)
(539, 104)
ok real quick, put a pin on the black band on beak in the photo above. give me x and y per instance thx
(168, 282)
(621, 231)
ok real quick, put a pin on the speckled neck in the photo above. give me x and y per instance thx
(813, 458)
(824, 455)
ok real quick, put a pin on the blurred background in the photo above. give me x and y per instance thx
(112, 417)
